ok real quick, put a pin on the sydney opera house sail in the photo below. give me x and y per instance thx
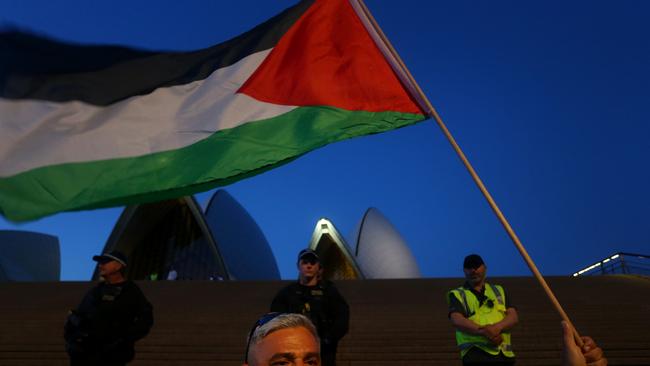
(380, 250)
(242, 244)
(175, 240)
(167, 239)
(29, 256)
(338, 262)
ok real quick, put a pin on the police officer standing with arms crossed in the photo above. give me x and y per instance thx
(112, 316)
(318, 300)
(482, 316)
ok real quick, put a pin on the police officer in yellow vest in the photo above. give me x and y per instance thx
(482, 316)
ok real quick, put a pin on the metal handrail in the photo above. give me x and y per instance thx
(620, 262)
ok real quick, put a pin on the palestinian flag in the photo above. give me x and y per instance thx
(95, 126)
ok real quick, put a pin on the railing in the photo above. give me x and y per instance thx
(619, 263)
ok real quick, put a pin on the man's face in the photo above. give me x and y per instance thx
(308, 267)
(475, 275)
(109, 268)
(286, 347)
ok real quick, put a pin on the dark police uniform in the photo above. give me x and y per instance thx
(105, 326)
(326, 308)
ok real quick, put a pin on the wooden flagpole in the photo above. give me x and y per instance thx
(432, 113)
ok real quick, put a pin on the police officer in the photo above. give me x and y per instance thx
(318, 300)
(112, 316)
(482, 316)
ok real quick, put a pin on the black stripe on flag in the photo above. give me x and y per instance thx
(35, 67)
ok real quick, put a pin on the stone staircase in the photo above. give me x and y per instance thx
(394, 322)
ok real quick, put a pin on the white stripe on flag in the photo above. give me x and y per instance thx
(36, 133)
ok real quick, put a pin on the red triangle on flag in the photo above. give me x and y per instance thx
(328, 58)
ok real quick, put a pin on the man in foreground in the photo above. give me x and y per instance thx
(482, 316)
(283, 339)
(318, 300)
(112, 316)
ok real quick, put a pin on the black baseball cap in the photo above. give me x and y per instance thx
(308, 253)
(473, 261)
(114, 255)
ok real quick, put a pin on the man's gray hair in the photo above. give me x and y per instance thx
(282, 321)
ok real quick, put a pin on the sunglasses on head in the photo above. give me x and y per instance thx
(260, 322)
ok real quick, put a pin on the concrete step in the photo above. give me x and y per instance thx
(393, 322)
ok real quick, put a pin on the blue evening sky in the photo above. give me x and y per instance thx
(550, 100)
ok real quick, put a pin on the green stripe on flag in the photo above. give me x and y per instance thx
(223, 158)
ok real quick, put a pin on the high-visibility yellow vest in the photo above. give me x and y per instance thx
(483, 315)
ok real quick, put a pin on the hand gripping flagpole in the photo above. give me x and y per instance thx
(403, 72)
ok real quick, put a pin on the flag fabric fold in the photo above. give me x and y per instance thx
(94, 126)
